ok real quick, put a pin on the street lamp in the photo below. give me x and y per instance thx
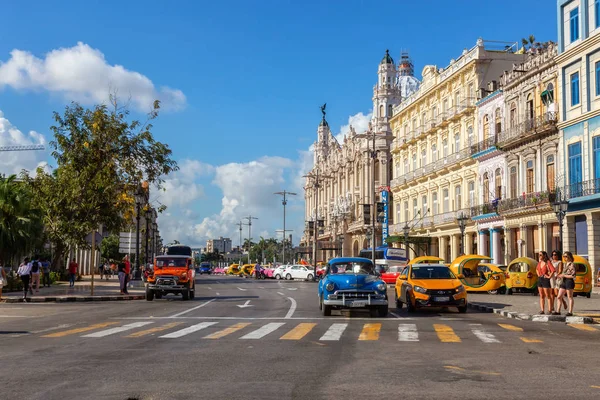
(560, 207)
(140, 198)
(462, 224)
(284, 202)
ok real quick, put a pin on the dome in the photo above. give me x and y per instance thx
(387, 59)
(407, 85)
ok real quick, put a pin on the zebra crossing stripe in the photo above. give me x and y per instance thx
(154, 330)
(531, 340)
(446, 334)
(298, 332)
(510, 327)
(263, 331)
(228, 331)
(408, 333)
(334, 332)
(80, 330)
(484, 336)
(370, 332)
(187, 331)
(118, 329)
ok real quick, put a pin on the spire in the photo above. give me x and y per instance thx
(323, 121)
(387, 59)
(406, 67)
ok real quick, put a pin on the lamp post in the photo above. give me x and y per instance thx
(249, 218)
(317, 180)
(284, 193)
(462, 224)
(560, 207)
(406, 230)
(240, 224)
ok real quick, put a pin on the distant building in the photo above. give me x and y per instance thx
(223, 245)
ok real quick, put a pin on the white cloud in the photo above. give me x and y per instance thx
(182, 187)
(360, 123)
(12, 162)
(82, 73)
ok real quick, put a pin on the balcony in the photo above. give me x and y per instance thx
(487, 209)
(529, 129)
(528, 203)
(484, 147)
(579, 190)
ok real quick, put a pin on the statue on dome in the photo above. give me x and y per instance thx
(323, 109)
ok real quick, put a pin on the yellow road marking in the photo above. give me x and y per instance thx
(475, 371)
(446, 334)
(154, 330)
(531, 340)
(370, 332)
(595, 387)
(227, 331)
(298, 332)
(511, 327)
(79, 330)
(583, 327)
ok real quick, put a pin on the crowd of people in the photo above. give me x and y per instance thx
(556, 279)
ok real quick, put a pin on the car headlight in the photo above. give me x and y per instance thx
(420, 289)
(382, 287)
(330, 286)
(460, 289)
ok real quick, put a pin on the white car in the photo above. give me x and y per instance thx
(278, 272)
(298, 272)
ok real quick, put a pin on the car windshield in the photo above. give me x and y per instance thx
(519, 267)
(356, 267)
(431, 272)
(171, 262)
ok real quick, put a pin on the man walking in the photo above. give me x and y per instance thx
(46, 271)
(72, 272)
(35, 274)
(24, 272)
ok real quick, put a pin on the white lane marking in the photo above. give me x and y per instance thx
(188, 330)
(475, 324)
(293, 288)
(53, 328)
(281, 293)
(263, 331)
(334, 332)
(208, 287)
(261, 287)
(395, 315)
(271, 318)
(118, 329)
(451, 319)
(246, 304)
(218, 294)
(242, 289)
(408, 333)
(484, 336)
(18, 316)
(292, 308)
(192, 309)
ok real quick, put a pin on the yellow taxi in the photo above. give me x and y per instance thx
(584, 278)
(479, 276)
(423, 285)
(233, 269)
(246, 269)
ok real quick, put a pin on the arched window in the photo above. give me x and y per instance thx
(414, 166)
(415, 208)
(397, 170)
(486, 188)
(513, 114)
(471, 194)
(498, 122)
(513, 182)
(406, 165)
(457, 142)
(550, 174)
(423, 158)
(456, 100)
(529, 106)
(486, 127)
(446, 200)
(381, 110)
(470, 133)
(498, 183)
(530, 177)
(424, 206)
(457, 198)
(445, 148)
(433, 153)
(390, 111)
(435, 203)
(405, 211)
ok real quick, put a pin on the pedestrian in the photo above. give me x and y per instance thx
(568, 283)
(101, 271)
(46, 272)
(545, 270)
(127, 273)
(122, 281)
(556, 281)
(3, 280)
(72, 272)
(24, 273)
(35, 274)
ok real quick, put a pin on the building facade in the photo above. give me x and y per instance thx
(435, 130)
(223, 245)
(579, 127)
(342, 177)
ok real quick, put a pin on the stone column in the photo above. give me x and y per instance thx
(454, 245)
(481, 250)
(442, 244)
(569, 234)
(495, 246)
(541, 239)
(593, 225)
(526, 245)
(468, 242)
(508, 245)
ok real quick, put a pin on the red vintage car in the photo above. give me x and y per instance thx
(391, 274)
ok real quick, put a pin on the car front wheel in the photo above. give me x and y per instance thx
(288, 277)
(309, 277)
(325, 308)
(277, 276)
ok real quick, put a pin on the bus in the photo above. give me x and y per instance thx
(179, 250)
(385, 256)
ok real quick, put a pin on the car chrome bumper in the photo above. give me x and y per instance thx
(177, 288)
(449, 303)
(341, 300)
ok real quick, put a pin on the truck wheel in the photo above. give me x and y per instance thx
(149, 295)
(185, 295)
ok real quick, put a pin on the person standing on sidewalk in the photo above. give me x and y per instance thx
(72, 272)
(46, 272)
(24, 273)
(556, 281)
(545, 270)
(35, 274)
(568, 283)
(127, 273)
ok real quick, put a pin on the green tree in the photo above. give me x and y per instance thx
(102, 159)
(21, 230)
(109, 248)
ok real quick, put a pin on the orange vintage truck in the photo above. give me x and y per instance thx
(172, 274)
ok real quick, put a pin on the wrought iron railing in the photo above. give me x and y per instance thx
(579, 189)
(528, 128)
(535, 199)
(483, 209)
(484, 145)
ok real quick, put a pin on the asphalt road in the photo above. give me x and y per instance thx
(247, 339)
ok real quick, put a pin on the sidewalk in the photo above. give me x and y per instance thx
(525, 306)
(104, 290)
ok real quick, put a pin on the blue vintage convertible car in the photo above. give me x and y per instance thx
(351, 282)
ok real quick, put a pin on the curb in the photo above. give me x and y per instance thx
(71, 299)
(528, 317)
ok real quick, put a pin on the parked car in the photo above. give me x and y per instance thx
(205, 268)
(278, 272)
(298, 272)
(391, 275)
(351, 282)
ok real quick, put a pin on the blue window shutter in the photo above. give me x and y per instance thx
(575, 175)
(574, 24)
(597, 158)
(597, 75)
(575, 89)
(597, 12)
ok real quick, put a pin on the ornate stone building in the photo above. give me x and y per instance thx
(342, 178)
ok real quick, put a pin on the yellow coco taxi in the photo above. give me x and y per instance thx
(234, 269)
(584, 278)
(521, 276)
(429, 285)
(478, 277)
(246, 269)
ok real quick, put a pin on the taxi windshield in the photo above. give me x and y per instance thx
(171, 262)
(356, 267)
(431, 272)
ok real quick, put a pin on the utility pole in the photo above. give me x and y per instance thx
(249, 218)
(240, 224)
(285, 193)
(316, 185)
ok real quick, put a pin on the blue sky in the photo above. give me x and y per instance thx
(244, 82)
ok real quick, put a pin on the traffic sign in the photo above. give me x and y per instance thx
(88, 238)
